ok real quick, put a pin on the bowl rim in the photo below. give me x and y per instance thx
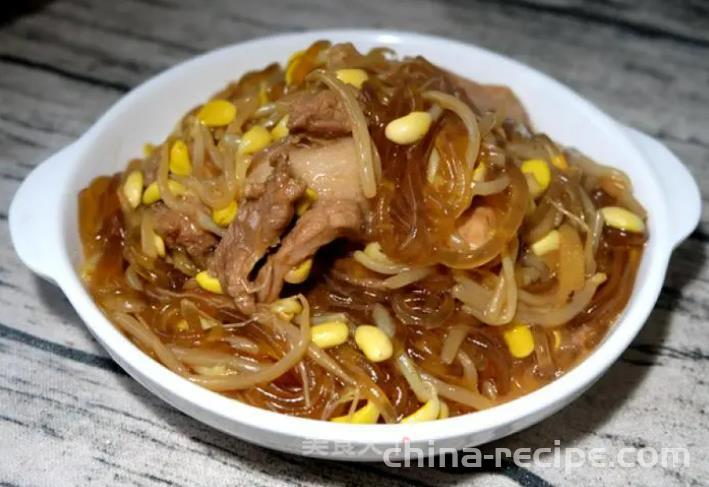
(188, 396)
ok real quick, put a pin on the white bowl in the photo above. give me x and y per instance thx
(43, 225)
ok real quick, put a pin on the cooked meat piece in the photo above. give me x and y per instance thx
(320, 114)
(179, 230)
(323, 223)
(331, 169)
(258, 226)
(254, 190)
(263, 162)
(493, 97)
(477, 228)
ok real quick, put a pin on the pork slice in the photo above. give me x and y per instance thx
(263, 162)
(258, 226)
(477, 227)
(326, 221)
(331, 169)
(496, 98)
(320, 114)
(180, 230)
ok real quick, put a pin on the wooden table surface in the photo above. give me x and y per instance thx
(70, 416)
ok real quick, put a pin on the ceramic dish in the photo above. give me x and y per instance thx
(44, 231)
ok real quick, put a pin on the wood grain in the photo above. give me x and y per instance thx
(74, 418)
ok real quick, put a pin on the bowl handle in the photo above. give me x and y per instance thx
(34, 215)
(681, 191)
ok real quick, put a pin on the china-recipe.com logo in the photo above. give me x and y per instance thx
(567, 458)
